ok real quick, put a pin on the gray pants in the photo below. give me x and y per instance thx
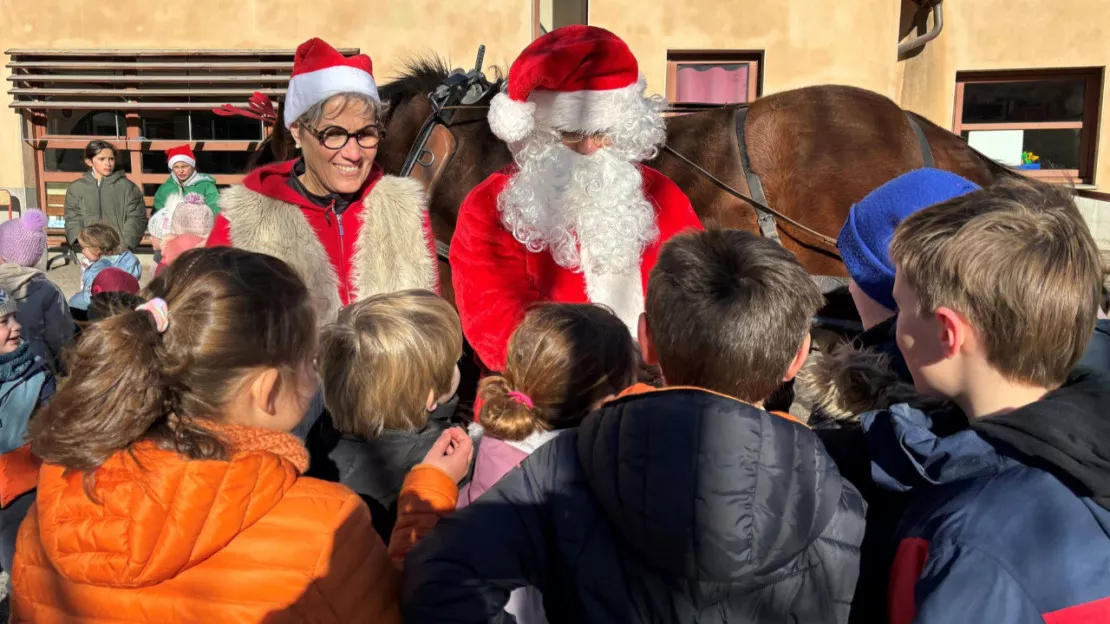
(10, 519)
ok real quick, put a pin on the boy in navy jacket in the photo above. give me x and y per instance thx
(1009, 518)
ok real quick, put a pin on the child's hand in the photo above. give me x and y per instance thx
(451, 453)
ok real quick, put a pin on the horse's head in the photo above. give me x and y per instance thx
(415, 100)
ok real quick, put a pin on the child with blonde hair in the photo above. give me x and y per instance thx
(389, 370)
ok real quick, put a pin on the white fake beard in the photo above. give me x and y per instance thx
(565, 202)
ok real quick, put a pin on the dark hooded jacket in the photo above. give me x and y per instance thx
(1098, 349)
(1008, 520)
(676, 505)
(374, 468)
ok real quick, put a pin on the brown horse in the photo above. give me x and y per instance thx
(817, 151)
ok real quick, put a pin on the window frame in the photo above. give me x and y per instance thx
(752, 58)
(1088, 126)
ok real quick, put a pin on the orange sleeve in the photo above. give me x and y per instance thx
(353, 578)
(427, 495)
(19, 474)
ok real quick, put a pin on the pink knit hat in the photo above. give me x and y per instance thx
(23, 240)
(192, 216)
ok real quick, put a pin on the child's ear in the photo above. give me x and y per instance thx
(264, 391)
(799, 359)
(647, 347)
(954, 330)
(433, 401)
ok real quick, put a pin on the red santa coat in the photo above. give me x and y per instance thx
(496, 279)
(382, 243)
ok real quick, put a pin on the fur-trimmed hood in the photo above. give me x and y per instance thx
(859, 376)
(849, 381)
(382, 243)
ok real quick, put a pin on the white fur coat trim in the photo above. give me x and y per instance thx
(270, 226)
(391, 251)
(534, 441)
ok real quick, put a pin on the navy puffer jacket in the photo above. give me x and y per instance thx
(669, 506)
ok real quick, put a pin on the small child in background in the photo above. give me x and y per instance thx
(25, 383)
(390, 373)
(562, 361)
(102, 248)
(109, 285)
(190, 221)
(43, 313)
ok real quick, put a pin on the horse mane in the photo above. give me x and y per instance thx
(420, 76)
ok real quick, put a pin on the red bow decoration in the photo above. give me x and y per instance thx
(261, 108)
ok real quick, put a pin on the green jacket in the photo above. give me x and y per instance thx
(197, 183)
(116, 201)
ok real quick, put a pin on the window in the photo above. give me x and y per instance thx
(712, 77)
(1043, 122)
(547, 15)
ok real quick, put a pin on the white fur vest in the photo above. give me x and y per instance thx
(391, 250)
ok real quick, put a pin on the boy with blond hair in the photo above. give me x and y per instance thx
(686, 504)
(389, 371)
(1008, 519)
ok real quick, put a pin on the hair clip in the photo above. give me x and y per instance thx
(522, 398)
(157, 309)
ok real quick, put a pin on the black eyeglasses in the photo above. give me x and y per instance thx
(336, 138)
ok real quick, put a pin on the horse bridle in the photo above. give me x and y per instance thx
(459, 92)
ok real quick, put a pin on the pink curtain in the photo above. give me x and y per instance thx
(712, 84)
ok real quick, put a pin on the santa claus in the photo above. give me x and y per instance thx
(576, 218)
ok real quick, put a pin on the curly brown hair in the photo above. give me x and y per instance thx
(230, 311)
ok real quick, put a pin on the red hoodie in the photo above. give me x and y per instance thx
(337, 232)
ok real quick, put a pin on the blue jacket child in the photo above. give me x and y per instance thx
(125, 261)
(26, 382)
(1009, 519)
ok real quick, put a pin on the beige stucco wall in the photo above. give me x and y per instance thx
(1011, 34)
(804, 42)
(389, 31)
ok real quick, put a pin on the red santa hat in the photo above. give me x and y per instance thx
(181, 153)
(319, 72)
(576, 78)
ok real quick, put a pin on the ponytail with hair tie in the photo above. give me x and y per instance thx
(507, 414)
(159, 311)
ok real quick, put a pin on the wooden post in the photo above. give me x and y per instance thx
(38, 130)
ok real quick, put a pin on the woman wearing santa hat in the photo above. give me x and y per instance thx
(346, 228)
(576, 218)
(184, 179)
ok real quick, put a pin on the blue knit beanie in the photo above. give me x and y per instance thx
(864, 241)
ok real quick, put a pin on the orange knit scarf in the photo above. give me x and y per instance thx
(242, 439)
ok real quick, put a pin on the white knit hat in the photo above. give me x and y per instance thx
(319, 72)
